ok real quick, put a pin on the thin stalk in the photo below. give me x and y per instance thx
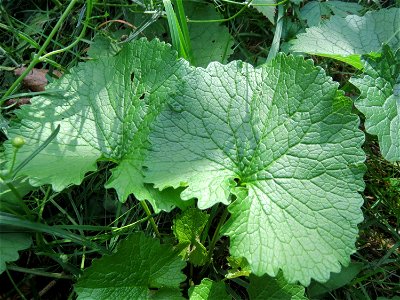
(273, 51)
(39, 272)
(36, 58)
(216, 235)
(82, 267)
(133, 224)
(57, 3)
(43, 203)
(36, 152)
(245, 5)
(5, 53)
(214, 240)
(77, 40)
(28, 226)
(18, 196)
(223, 20)
(255, 5)
(15, 285)
(151, 219)
(177, 36)
(213, 213)
(14, 158)
(32, 94)
(185, 29)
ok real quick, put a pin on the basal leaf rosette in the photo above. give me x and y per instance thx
(104, 108)
(280, 141)
(379, 100)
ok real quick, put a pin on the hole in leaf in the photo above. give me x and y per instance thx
(142, 97)
(132, 76)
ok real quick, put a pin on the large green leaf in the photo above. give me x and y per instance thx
(268, 288)
(10, 244)
(346, 39)
(280, 140)
(380, 100)
(140, 269)
(104, 108)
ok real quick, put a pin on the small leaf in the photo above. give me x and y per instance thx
(103, 46)
(346, 39)
(210, 41)
(187, 229)
(10, 244)
(269, 288)
(140, 269)
(208, 290)
(239, 267)
(316, 11)
(379, 100)
(267, 10)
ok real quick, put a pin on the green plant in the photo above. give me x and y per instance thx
(255, 150)
(264, 166)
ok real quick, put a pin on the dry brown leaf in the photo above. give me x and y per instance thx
(17, 102)
(36, 79)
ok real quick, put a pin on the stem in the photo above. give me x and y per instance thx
(14, 158)
(223, 20)
(216, 235)
(39, 272)
(115, 230)
(36, 152)
(14, 284)
(43, 204)
(18, 196)
(83, 258)
(151, 219)
(78, 39)
(213, 213)
(214, 240)
(184, 28)
(29, 226)
(36, 58)
(273, 51)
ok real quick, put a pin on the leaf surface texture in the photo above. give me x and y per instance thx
(104, 108)
(380, 100)
(275, 139)
(346, 39)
